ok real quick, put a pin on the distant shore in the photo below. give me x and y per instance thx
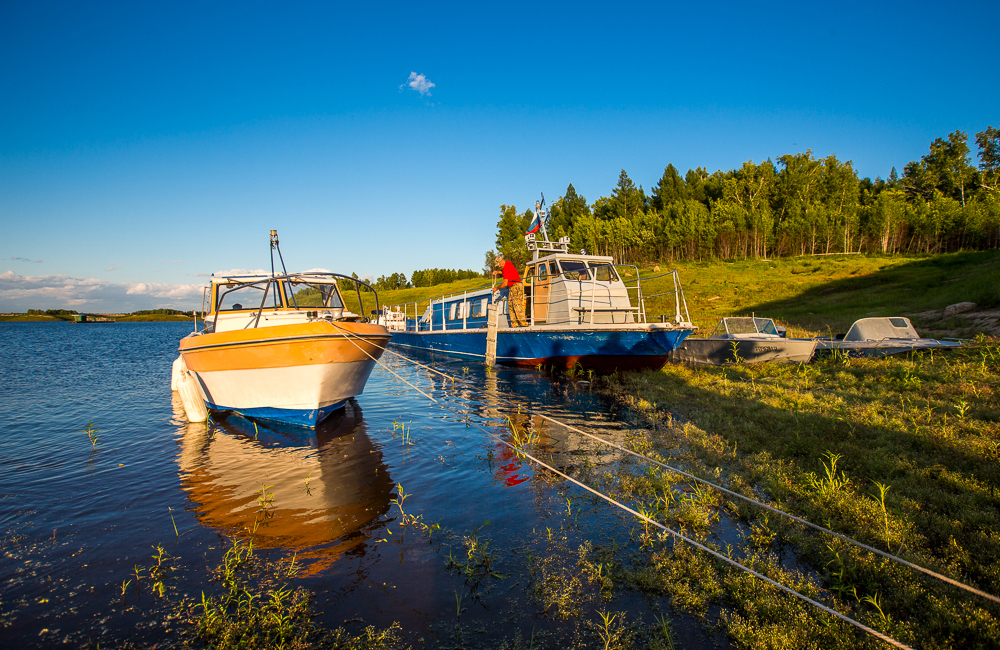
(127, 318)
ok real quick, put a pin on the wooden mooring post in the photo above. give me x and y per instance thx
(492, 318)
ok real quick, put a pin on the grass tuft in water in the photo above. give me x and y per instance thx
(92, 434)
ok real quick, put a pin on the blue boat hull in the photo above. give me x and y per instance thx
(603, 350)
(295, 417)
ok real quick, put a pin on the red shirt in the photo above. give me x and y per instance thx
(510, 273)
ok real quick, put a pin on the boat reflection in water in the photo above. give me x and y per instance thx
(317, 492)
(566, 449)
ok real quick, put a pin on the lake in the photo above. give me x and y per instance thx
(82, 522)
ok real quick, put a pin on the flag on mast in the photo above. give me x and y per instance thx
(536, 223)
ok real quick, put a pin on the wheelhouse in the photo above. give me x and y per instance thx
(242, 301)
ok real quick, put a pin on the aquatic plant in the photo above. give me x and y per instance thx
(171, 511)
(479, 562)
(403, 428)
(158, 572)
(521, 438)
(92, 433)
(665, 633)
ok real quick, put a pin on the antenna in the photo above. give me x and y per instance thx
(541, 214)
(276, 247)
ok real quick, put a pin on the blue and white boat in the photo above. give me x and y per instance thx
(579, 313)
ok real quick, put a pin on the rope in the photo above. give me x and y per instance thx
(737, 495)
(677, 535)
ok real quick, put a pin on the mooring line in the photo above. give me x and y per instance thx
(677, 535)
(805, 522)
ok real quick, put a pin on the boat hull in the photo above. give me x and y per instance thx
(296, 374)
(877, 349)
(603, 349)
(709, 351)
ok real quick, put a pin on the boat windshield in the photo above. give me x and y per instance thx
(574, 270)
(313, 294)
(237, 296)
(745, 325)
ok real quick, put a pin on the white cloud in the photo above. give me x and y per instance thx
(112, 268)
(231, 272)
(419, 82)
(25, 259)
(20, 293)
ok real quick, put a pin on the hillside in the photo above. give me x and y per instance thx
(817, 295)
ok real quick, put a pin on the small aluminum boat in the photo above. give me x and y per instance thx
(743, 339)
(881, 337)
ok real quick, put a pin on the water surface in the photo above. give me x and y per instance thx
(77, 520)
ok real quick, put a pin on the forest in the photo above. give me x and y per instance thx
(799, 205)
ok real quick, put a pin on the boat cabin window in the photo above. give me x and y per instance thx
(574, 270)
(452, 311)
(899, 322)
(479, 308)
(543, 271)
(237, 296)
(605, 273)
(313, 294)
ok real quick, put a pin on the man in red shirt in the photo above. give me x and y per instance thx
(514, 291)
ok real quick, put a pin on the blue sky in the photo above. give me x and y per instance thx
(145, 145)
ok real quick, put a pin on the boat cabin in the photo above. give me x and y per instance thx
(561, 289)
(247, 301)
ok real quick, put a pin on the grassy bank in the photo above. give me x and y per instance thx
(901, 454)
(155, 318)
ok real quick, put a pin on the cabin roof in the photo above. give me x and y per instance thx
(257, 277)
(877, 329)
(578, 257)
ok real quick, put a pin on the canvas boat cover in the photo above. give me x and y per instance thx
(880, 329)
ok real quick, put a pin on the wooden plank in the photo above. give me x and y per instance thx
(492, 318)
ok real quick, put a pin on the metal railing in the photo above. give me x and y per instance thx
(632, 285)
(288, 301)
(533, 282)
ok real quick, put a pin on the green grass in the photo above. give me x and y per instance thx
(24, 318)
(155, 318)
(902, 454)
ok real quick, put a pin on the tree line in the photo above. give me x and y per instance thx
(423, 278)
(799, 205)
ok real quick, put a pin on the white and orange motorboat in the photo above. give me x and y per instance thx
(279, 347)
